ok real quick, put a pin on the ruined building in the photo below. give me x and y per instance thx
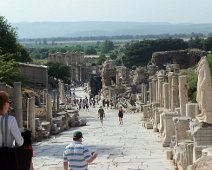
(35, 75)
(75, 61)
(185, 58)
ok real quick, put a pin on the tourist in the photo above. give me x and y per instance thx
(76, 156)
(10, 131)
(120, 115)
(107, 103)
(101, 114)
(103, 102)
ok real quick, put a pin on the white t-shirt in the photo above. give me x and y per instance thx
(13, 133)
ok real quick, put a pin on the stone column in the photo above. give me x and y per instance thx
(192, 109)
(80, 69)
(49, 107)
(170, 75)
(154, 90)
(54, 100)
(150, 92)
(58, 102)
(2, 86)
(45, 91)
(174, 93)
(31, 115)
(166, 95)
(160, 80)
(183, 94)
(157, 91)
(18, 104)
(61, 91)
(144, 93)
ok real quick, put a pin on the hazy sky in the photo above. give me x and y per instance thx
(173, 11)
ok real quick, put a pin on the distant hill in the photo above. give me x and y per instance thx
(107, 28)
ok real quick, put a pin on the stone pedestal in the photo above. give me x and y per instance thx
(202, 137)
(18, 104)
(183, 94)
(183, 155)
(145, 112)
(169, 129)
(157, 112)
(31, 115)
(181, 128)
(192, 109)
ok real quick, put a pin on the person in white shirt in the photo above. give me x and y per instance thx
(10, 134)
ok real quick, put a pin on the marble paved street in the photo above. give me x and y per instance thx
(120, 147)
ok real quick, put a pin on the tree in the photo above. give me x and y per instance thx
(140, 53)
(195, 43)
(102, 58)
(207, 45)
(59, 71)
(8, 43)
(90, 50)
(11, 52)
(107, 46)
(9, 72)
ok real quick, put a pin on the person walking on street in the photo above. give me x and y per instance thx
(120, 115)
(76, 156)
(101, 114)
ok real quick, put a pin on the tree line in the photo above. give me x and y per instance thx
(130, 53)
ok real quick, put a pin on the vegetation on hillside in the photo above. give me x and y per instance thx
(11, 52)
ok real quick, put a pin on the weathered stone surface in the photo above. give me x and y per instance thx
(204, 91)
(169, 129)
(192, 110)
(183, 94)
(204, 163)
(185, 58)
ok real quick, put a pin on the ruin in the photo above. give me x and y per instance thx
(161, 93)
(158, 92)
(76, 63)
(34, 75)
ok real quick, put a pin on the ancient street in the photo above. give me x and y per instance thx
(120, 147)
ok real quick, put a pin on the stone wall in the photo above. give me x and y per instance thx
(34, 74)
(185, 58)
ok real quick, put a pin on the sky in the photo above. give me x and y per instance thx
(172, 11)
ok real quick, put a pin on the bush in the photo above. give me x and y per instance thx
(192, 83)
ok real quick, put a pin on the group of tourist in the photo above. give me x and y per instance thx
(101, 115)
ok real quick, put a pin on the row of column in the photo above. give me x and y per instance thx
(17, 104)
(171, 92)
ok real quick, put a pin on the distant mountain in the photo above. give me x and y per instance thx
(107, 28)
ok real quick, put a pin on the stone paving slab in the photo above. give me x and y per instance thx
(119, 147)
